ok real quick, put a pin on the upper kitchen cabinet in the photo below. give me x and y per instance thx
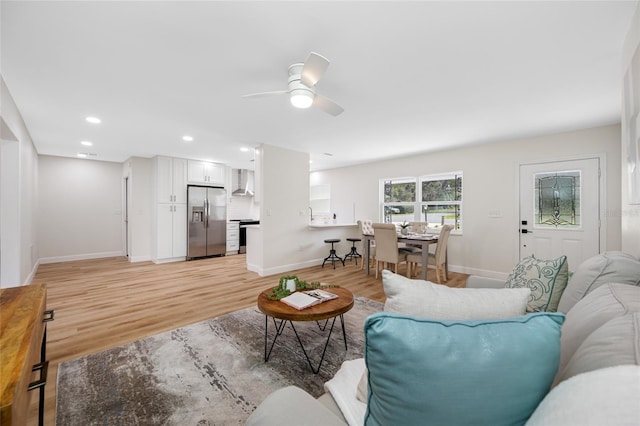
(171, 180)
(203, 172)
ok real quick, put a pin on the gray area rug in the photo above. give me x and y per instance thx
(209, 373)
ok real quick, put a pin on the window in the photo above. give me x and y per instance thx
(436, 199)
(442, 199)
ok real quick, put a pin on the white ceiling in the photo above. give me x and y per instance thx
(412, 76)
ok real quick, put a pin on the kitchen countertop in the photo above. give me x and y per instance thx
(331, 225)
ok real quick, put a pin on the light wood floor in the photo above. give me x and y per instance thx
(103, 303)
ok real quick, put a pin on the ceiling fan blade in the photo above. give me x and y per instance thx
(314, 68)
(264, 94)
(327, 105)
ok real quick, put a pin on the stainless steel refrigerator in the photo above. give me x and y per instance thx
(207, 221)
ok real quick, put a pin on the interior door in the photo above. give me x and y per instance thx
(560, 210)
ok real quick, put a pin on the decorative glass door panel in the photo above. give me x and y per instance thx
(557, 200)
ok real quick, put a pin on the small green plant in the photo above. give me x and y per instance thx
(278, 293)
(283, 281)
(404, 225)
(282, 291)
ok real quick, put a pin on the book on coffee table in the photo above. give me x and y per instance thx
(305, 299)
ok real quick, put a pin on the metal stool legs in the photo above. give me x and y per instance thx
(353, 254)
(332, 254)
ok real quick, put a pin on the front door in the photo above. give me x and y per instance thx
(560, 210)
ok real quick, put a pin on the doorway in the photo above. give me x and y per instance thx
(560, 209)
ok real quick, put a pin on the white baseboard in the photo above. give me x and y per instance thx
(265, 272)
(73, 257)
(169, 260)
(479, 272)
(139, 259)
(32, 274)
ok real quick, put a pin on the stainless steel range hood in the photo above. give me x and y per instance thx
(242, 182)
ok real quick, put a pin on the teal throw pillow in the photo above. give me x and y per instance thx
(547, 280)
(482, 372)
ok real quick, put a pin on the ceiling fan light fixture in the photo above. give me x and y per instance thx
(301, 98)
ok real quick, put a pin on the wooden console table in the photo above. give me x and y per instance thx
(23, 337)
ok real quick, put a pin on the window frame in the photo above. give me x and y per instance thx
(458, 222)
(418, 203)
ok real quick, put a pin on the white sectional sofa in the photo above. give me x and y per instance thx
(472, 356)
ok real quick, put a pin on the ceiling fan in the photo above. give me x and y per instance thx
(303, 78)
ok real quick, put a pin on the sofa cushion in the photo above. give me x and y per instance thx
(546, 279)
(608, 396)
(596, 309)
(483, 372)
(429, 300)
(342, 387)
(617, 342)
(604, 268)
(292, 406)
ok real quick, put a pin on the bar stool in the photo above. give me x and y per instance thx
(353, 254)
(332, 254)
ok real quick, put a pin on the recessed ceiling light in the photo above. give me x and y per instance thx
(93, 120)
(187, 138)
(243, 149)
(87, 143)
(82, 155)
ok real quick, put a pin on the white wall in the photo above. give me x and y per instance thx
(630, 117)
(80, 214)
(284, 204)
(487, 244)
(242, 207)
(18, 225)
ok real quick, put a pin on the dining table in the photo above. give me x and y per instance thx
(422, 240)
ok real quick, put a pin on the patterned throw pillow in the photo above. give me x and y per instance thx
(546, 279)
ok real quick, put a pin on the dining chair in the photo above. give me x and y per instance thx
(387, 250)
(366, 227)
(437, 259)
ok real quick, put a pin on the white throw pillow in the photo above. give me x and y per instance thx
(429, 300)
(608, 396)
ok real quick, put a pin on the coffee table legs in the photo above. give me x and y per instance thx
(279, 326)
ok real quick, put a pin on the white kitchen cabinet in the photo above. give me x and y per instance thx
(233, 237)
(171, 180)
(203, 172)
(171, 231)
(169, 217)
